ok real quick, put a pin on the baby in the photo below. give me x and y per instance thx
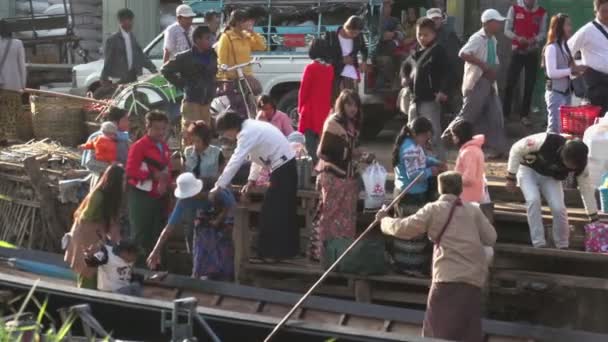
(104, 145)
(115, 273)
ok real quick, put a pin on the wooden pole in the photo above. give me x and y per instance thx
(67, 96)
(48, 209)
(331, 268)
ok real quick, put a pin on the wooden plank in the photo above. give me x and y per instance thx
(552, 278)
(242, 242)
(505, 248)
(363, 291)
(497, 189)
(510, 216)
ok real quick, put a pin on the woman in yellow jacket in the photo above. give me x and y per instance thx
(235, 47)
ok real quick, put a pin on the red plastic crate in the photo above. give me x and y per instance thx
(575, 120)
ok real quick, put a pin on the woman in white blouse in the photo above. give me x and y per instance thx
(559, 66)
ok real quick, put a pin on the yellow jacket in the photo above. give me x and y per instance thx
(234, 48)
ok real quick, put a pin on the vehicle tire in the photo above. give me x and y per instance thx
(374, 119)
(102, 92)
(288, 104)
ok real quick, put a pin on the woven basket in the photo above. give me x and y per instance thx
(58, 119)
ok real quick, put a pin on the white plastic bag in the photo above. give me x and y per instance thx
(374, 180)
(486, 191)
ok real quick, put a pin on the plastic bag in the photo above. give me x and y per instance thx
(374, 180)
(596, 237)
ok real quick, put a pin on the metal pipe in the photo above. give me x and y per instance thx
(331, 268)
(207, 328)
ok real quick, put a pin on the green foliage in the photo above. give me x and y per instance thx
(15, 332)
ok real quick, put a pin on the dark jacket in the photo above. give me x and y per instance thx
(115, 59)
(427, 72)
(197, 77)
(336, 149)
(335, 51)
(547, 160)
(450, 42)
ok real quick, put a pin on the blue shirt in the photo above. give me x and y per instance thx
(412, 161)
(205, 210)
(123, 144)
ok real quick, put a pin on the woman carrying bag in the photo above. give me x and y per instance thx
(560, 67)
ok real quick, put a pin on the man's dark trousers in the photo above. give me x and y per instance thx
(529, 62)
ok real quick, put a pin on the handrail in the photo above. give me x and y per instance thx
(227, 68)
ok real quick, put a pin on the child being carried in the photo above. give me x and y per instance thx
(104, 145)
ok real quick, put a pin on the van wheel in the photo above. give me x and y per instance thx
(288, 104)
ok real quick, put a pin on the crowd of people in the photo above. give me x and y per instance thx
(437, 229)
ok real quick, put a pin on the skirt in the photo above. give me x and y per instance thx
(10, 109)
(213, 253)
(279, 233)
(337, 214)
(453, 312)
(83, 236)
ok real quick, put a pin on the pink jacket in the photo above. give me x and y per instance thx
(471, 165)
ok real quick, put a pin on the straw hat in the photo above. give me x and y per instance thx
(188, 186)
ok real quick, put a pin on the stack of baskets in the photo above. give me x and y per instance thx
(58, 119)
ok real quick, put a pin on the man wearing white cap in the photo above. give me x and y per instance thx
(481, 105)
(178, 36)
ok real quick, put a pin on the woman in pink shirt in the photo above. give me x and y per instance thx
(470, 162)
(267, 111)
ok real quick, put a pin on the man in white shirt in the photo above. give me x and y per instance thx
(481, 105)
(267, 147)
(123, 57)
(345, 44)
(178, 36)
(592, 42)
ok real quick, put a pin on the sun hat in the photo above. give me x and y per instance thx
(491, 14)
(434, 13)
(184, 11)
(187, 186)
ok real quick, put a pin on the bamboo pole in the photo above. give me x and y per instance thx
(331, 268)
(67, 96)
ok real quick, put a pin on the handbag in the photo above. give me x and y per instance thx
(4, 57)
(366, 258)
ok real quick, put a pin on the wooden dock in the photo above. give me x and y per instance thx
(543, 286)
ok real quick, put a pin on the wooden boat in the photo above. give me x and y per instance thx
(236, 311)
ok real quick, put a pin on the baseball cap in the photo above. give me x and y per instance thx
(434, 13)
(184, 11)
(491, 14)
